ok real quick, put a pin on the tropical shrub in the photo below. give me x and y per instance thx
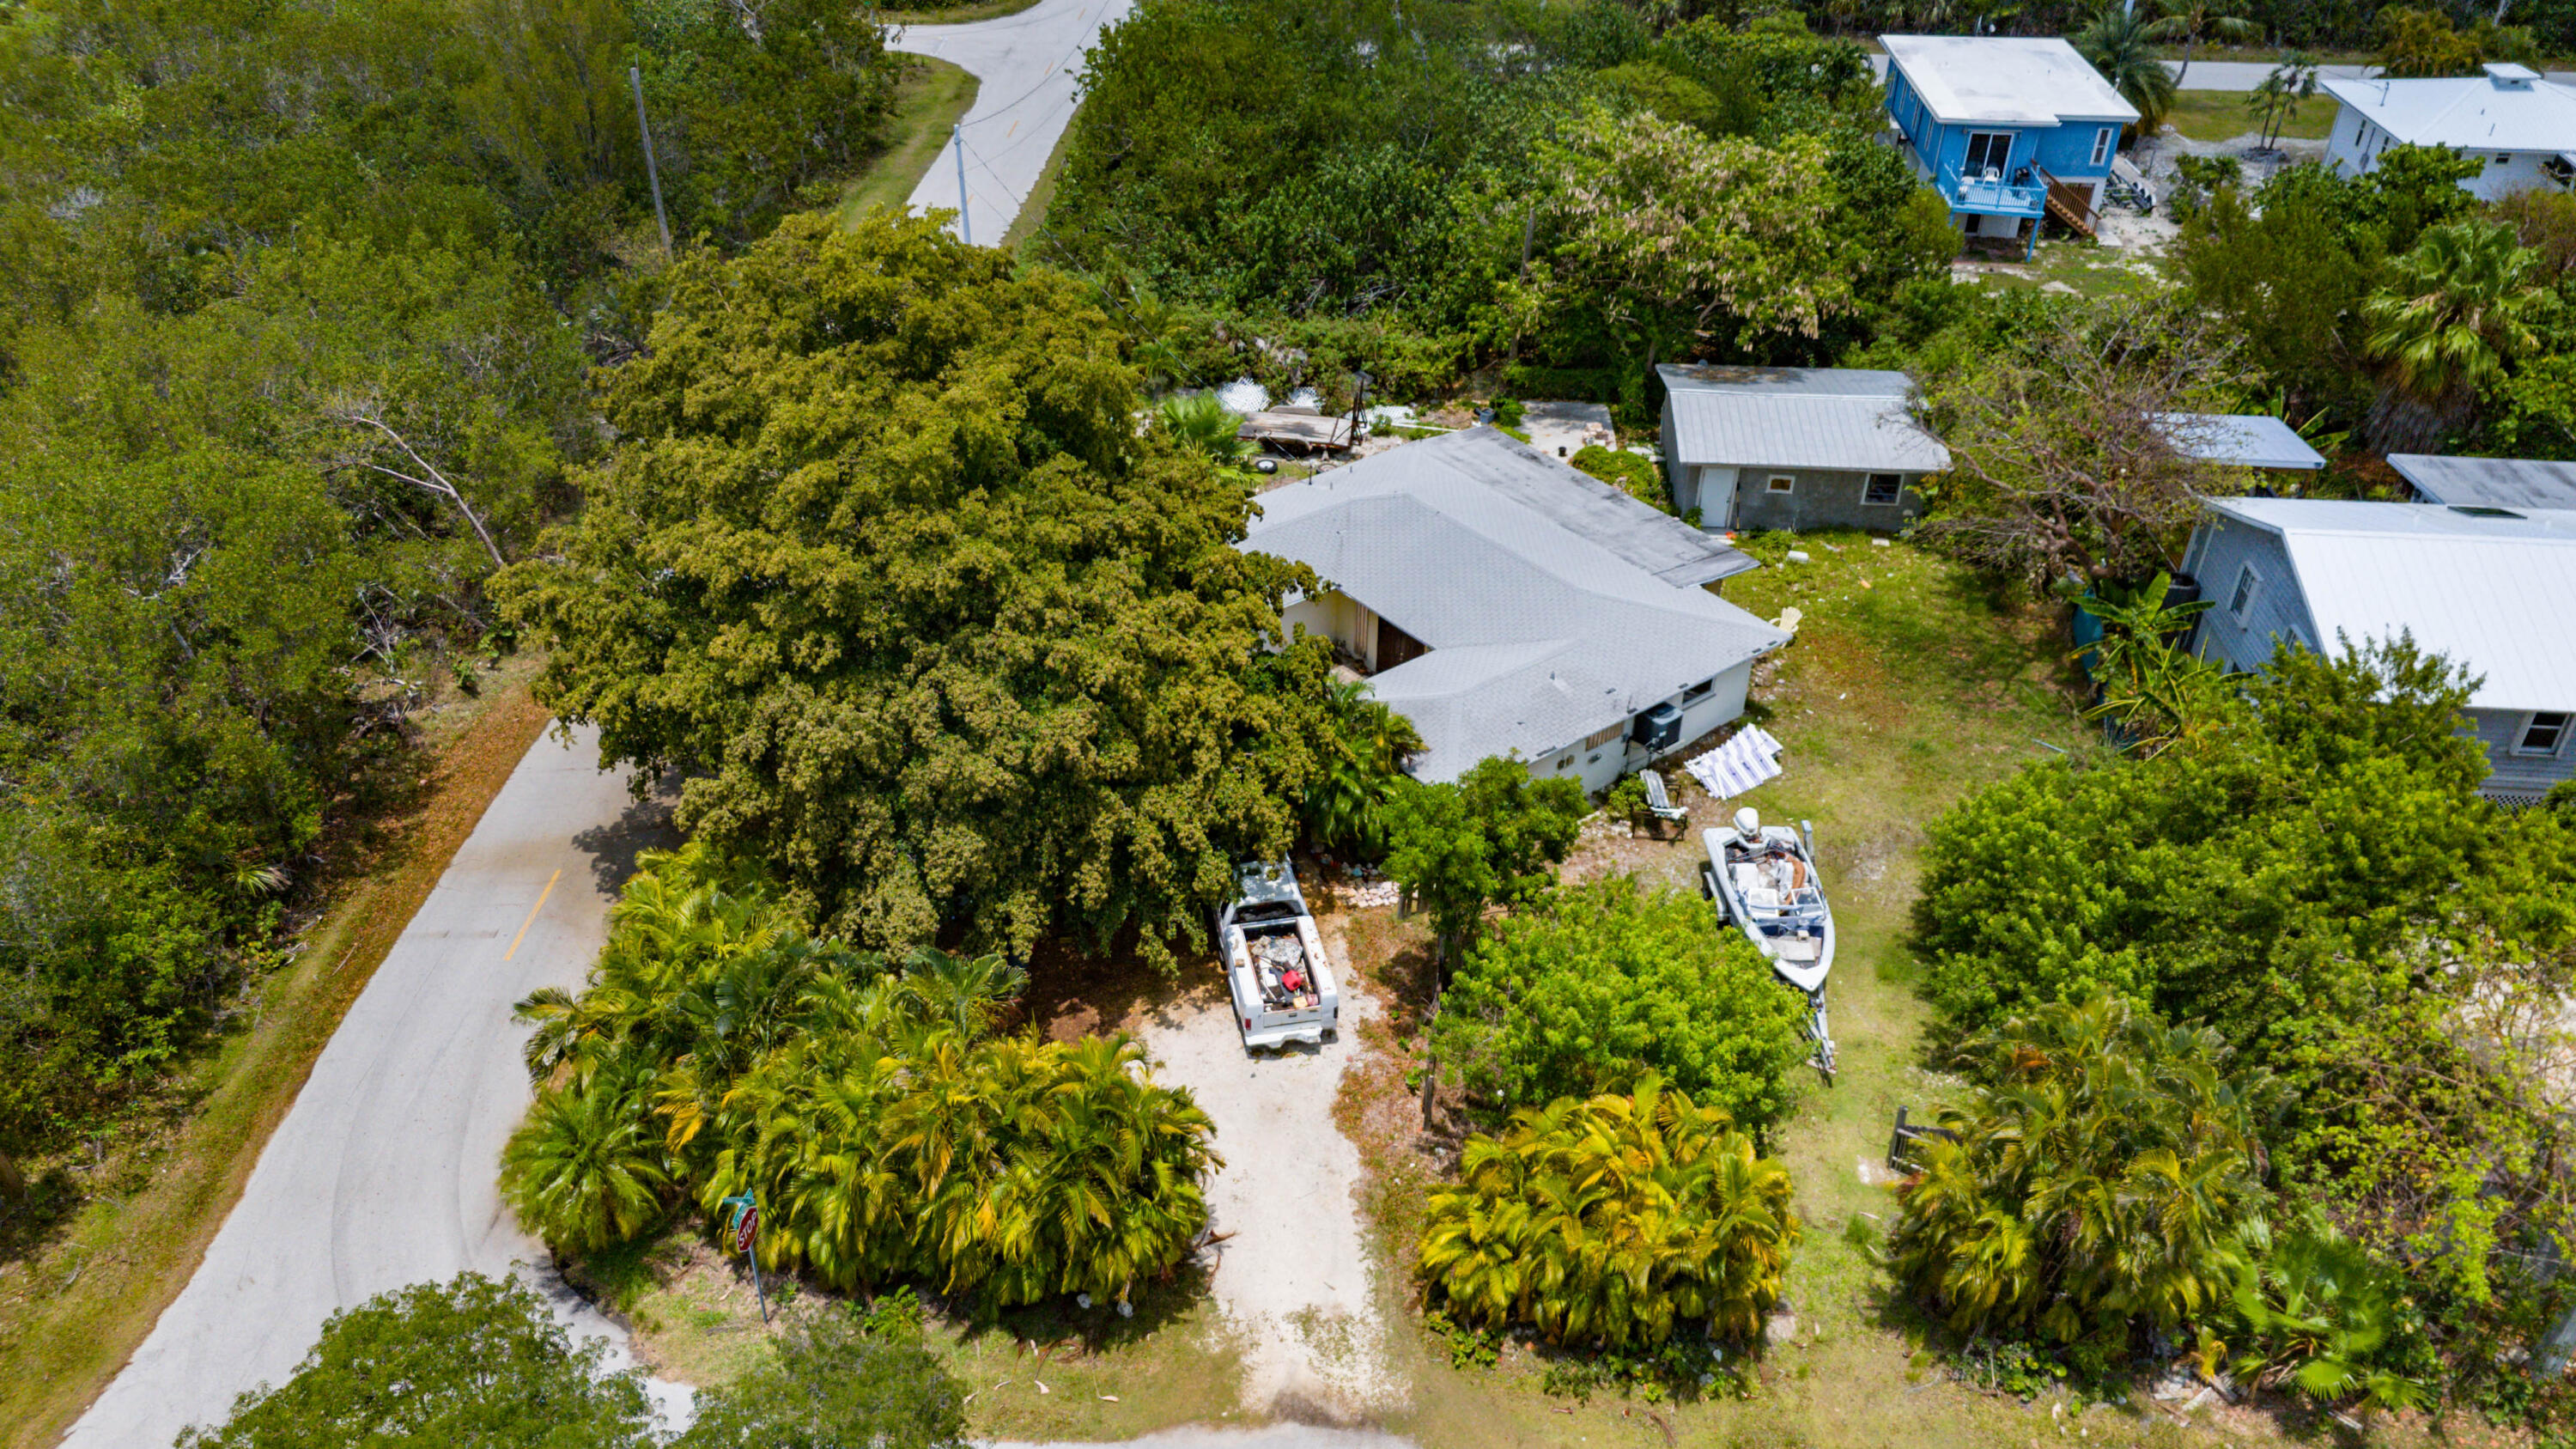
(1615, 1221)
(2321, 1315)
(887, 1130)
(474, 1360)
(1625, 471)
(836, 1380)
(2107, 1177)
(1593, 988)
(1488, 839)
(1349, 803)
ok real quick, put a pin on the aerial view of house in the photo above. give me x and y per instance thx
(2492, 588)
(2521, 125)
(1794, 447)
(2007, 128)
(1508, 605)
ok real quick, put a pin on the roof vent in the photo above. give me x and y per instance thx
(2475, 511)
(2510, 77)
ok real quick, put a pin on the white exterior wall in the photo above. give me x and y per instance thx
(2353, 148)
(1338, 617)
(2346, 144)
(1601, 766)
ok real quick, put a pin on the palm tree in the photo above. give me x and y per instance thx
(1202, 425)
(2122, 47)
(2462, 306)
(586, 1169)
(2194, 21)
(1363, 761)
(2277, 99)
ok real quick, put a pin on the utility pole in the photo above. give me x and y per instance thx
(957, 138)
(652, 171)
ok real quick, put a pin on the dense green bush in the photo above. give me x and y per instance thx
(888, 1132)
(1625, 471)
(2107, 1179)
(1485, 840)
(1592, 988)
(1615, 1221)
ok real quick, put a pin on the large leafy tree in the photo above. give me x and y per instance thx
(1616, 1220)
(1598, 985)
(2108, 1177)
(887, 564)
(2194, 22)
(836, 1383)
(471, 1361)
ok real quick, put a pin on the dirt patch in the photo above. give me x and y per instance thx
(1292, 1279)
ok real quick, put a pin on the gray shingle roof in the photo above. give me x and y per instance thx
(2495, 482)
(1845, 419)
(1546, 621)
(2493, 593)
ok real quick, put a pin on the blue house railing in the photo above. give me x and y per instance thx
(1993, 198)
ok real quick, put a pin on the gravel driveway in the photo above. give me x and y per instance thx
(1294, 1277)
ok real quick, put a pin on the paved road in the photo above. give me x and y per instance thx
(1026, 65)
(383, 1172)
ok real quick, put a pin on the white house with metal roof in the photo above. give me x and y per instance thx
(2521, 125)
(2491, 588)
(2487, 482)
(1509, 605)
(1794, 447)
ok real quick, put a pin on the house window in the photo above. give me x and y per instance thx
(1882, 490)
(2247, 582)
(1565, 762)
(2102, 145)
(1698, 691)
(1987, 151)
(2543, 731)
(1598, 738)
(2505, 159)
(1782, 482)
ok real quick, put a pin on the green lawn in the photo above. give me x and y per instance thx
(927, 102)
(2221, 116)
(961, 14)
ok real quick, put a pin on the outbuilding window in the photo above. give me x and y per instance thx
(2543, 731)
(1698, 691)
(2248, 584)
(1782, 482)
(1883, 489)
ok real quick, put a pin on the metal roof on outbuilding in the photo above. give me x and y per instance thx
(1844, 419)
(1545, 619)
(2493, 589)
(2005, 80)
(2507, 112)
(2496, 482)
(2245, 440)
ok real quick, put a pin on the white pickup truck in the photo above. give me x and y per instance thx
(1274, 959)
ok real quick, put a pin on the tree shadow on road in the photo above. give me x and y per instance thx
(644, 825)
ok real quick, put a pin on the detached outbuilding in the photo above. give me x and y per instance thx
(2520, 126)
(2491, 588)
(1794, 447)
(2487, 482)
(1509, 605)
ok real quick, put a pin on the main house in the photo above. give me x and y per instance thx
(2521, 126)
(1509, 605)
(2492, 588)
(1794, 447)
(2007, 129)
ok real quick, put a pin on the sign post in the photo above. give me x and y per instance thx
(744, 1227)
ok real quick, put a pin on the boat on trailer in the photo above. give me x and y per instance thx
(1764, 877)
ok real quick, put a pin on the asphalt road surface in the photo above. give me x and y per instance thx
(1026, 65)
(383, 1172)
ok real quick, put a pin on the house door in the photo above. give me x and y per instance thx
(1987, 150)
(1395, 647)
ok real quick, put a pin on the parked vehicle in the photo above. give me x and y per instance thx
(1274, 959)
(1765, 879)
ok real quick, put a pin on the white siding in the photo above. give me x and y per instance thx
(1601, 766)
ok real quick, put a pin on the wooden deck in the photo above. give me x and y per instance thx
(1300, 430)
(2068, 205)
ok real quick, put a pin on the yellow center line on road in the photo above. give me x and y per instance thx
(532, 915)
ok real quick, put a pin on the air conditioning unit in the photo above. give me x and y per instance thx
(1659, 728)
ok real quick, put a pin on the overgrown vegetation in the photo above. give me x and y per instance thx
(886, 1128)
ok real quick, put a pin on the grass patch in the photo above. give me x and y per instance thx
(1041, 196)
(927, 101)
(2221, 116)
(971, 11)
(695, 1319)
(82, 1297)
(1910, 685)
(2079, 266)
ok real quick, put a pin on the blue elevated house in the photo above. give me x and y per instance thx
(2008, 129)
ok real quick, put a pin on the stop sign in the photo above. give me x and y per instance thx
(744, 1228)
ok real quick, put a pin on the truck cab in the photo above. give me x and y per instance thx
(1274, 961)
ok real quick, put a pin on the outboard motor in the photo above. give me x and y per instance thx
(1748, 825)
